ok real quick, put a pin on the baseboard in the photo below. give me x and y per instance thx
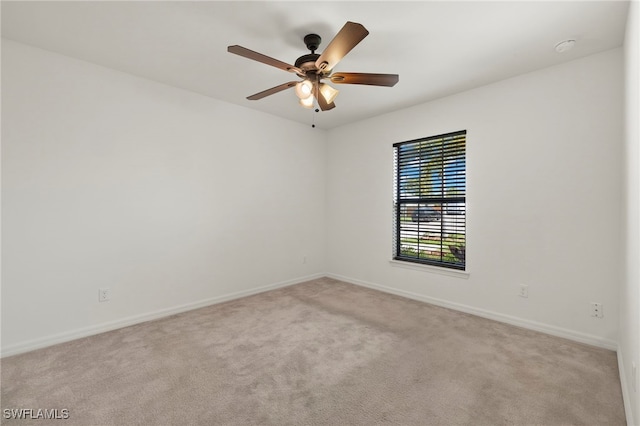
(626, 390)
(520, 322)
(55, 339)
(113, 325)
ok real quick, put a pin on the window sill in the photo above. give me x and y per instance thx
(429, 268)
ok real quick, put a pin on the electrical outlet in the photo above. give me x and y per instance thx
(104, 294)
(304, 259)
(596, 310)
(524, 290)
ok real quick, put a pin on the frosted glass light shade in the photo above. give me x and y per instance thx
(328, 92)
(307, 102)
(304, 89)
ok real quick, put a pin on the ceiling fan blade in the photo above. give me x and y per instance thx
(271, 91)
(250, 54)
(346, 39)
(388, 80)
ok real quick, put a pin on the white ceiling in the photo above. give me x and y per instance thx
(437, 48)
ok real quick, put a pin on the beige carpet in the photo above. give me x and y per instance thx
(318, 353)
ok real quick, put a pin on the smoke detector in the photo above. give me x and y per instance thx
(565, 46)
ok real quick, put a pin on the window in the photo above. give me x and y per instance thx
(430, 201)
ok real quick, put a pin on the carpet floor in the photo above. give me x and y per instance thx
(322, 352)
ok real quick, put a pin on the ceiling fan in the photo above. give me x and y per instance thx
(314, 67)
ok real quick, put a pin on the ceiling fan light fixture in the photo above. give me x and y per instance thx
(307, 102)
(304, 89)
(328, 92)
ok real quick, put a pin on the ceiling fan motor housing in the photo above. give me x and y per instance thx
(307, 62)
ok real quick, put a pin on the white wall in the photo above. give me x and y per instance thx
(171, 199)
(114, 181)
(629, 334)
(544, 199)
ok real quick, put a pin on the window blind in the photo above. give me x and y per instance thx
(430, 200)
